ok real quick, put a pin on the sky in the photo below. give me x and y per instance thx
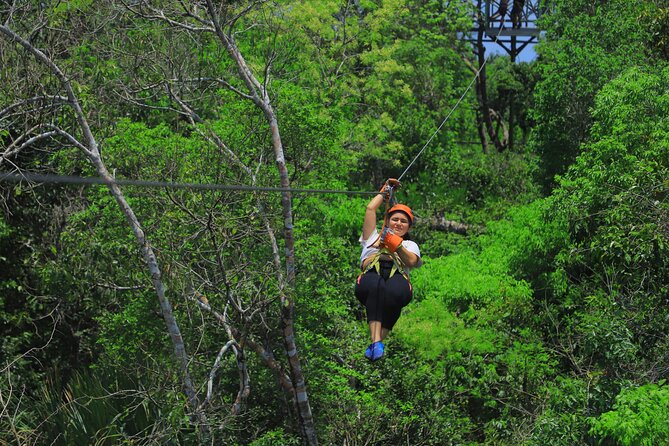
(526, 55)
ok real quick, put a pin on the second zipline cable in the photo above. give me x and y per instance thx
(14, 177)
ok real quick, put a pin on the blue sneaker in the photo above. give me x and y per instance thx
(369, 353)
(377, 351)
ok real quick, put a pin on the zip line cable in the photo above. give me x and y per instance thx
(457, 104)
(67, 179)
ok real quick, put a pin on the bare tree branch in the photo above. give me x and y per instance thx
(34, 349)
(12, 149)
(112, 286)
(228, 41)
(263, 353)
(47, 100)
(233, 21)
(193, 13)
(160, 15)
(213, 138)
(133, 101)
(440, 223)
(65, 82)
(244, 380)
(232, 88)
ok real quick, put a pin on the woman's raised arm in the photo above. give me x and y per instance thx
(369, 224)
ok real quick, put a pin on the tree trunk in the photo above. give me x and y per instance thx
(260, 97)
(440, 223)
(482, 87)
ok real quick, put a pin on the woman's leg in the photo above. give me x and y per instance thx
(369, 290)
(397, 296)
(372, 291)
(376, 331)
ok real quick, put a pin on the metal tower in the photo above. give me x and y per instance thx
(512, 24)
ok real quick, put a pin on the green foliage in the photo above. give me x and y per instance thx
(511, 88)
(5, 230)
(62, 8)
(463, 179)
(563, 420)
(583, 50)
(275, 437)
(610, 275)
(432, 331)
(101, 408)
(463, 282)
(614, 200)
(639, 417)
(399, 78)
(135, 331)
(491, 275)
(474, 313)
(659, 24)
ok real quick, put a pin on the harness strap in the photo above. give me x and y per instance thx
(398, 264)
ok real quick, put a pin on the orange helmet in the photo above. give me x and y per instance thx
(401, 208)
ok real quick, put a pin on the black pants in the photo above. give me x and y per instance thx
(383, 296)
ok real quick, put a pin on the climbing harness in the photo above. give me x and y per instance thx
(375, 263)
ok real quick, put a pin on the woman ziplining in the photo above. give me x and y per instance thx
(379, 288)
(383, 287)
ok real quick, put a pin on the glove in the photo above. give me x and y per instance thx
(388, 186)
(390, 240)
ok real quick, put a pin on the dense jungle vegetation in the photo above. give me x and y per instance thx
(151, 315)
